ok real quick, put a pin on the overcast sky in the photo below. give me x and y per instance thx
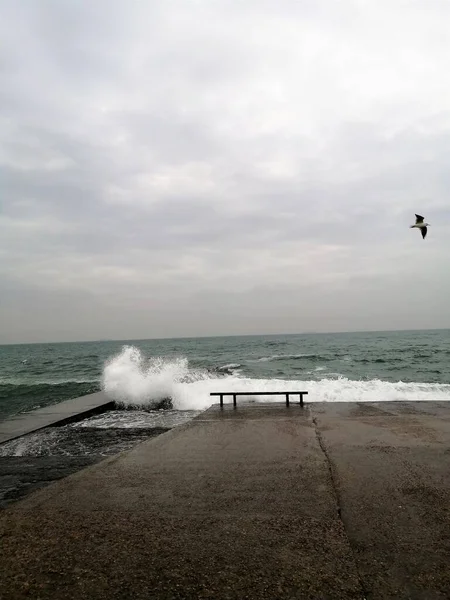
(202, 167)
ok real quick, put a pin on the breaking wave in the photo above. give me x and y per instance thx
(133, 380)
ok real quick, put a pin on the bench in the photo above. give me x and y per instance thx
(236, 394)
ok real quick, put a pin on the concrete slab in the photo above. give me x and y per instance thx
(391, 469)
(63, 455)
(56, 414)
(332, 501)
(218, 508)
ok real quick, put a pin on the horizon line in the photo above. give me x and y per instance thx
(238, 335)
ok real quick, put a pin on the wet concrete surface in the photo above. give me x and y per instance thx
(330, 501)
(391, 467)
(21, 475)
(62, 413)
(34, 461)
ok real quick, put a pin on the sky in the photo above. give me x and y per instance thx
(219, 167)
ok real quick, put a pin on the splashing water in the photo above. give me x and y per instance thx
(353, 367)
(134, 381)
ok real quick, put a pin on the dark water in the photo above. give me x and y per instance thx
(354, 366)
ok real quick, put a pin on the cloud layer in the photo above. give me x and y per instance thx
(210, 167)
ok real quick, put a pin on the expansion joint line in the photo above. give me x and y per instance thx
(337, 495)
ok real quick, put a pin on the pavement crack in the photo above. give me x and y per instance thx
(333, 478)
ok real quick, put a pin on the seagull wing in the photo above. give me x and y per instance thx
(419, 219)
(424, 231)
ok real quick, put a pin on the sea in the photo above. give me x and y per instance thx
(179, 374)
(160, 384)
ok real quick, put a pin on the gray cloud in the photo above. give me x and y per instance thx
(194, 168)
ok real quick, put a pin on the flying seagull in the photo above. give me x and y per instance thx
(421, 225)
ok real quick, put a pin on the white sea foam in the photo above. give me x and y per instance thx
(133, 380)
(136, 419)
(284, 357)
(33, 444)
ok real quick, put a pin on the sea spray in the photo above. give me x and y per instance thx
(136, 381)
(131, 379)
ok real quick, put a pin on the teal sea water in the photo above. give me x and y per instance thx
(409, 365)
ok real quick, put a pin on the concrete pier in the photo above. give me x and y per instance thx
(55, 414)
(332, 501)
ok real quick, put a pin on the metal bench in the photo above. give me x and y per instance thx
(236, 394)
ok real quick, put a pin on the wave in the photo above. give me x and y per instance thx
(230, 369)
(276, 357)
(132, 380)
(371, 361)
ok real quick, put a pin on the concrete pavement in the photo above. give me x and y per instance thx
(391, 469)
(63, 413)
(330, 501)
